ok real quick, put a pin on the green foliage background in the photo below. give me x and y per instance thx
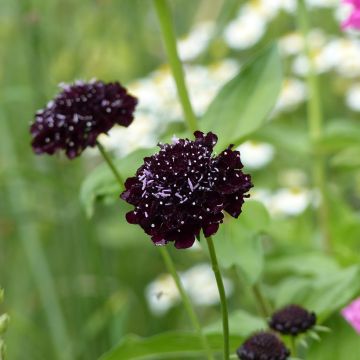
(74, 286)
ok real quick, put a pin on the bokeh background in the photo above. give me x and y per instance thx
(75, 286)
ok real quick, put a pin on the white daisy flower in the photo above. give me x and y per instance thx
(162, 294)
(200, 284)
(353, 97)
(290, 201)
(191, 46)
(293, 93)
(246, 30)
(256, 155)
(291, 44)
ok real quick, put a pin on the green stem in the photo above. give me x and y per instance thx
(315, 121)
(164, 16)
(168, 262)
(185, 299)
(261, 300)
(111, 165)
(293, 346)
(220, 285)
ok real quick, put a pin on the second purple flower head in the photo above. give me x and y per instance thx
(185, 188)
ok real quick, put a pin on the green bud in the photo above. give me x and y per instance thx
(4, 323)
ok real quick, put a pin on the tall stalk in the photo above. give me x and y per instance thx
(164, 16)
(220, 285)
(315, 121)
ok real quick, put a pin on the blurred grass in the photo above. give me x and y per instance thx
(71, 284)
(69, 296)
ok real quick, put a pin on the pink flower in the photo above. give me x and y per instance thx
(352, 314)
(353, 20)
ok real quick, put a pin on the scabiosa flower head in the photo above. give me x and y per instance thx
(353, 20)
(292, 320)
(263, 346)
(78, 114)
(184, 188)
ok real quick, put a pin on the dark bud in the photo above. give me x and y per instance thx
(292, 320)
(263, 346)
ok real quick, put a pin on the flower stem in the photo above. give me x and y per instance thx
(263, 304)
(168, 263)
(293, 346)
(315, 120)
(111, 165)
(185, 299)
(164, 16)
(220, 285)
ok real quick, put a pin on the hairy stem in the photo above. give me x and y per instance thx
(221, 288)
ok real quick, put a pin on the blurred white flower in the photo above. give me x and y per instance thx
(323, 3)
(246, 30)
(293, 178)
(162, 294)
(353, 97)
(290, 201)
(200, 284)
(293, 93)
(344, 54)
(291, 44)
(288, 6)
(191, 46)
(262, 195)
(158, 96)
(256, 155)
(140, 134)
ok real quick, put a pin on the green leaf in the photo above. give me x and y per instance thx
(255, 216)
(341, 343)
(302, 264)
(348, 158)
(241, 323)
(242, 105)
(167, 346)
(291, 290)
(323, 293)
(238, 243)
(330, 293)
(339, 134)
(100, 183)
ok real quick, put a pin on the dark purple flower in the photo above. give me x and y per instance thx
(78, 114)
(263, 346)
(184, 188)
(292, 320)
